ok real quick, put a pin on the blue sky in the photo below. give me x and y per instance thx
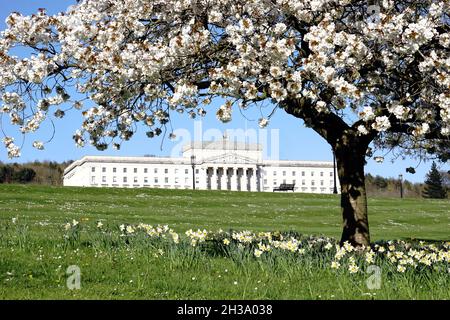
(295, 141)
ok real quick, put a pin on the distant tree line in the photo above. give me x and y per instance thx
(45, 172)
(390, 187)
(12, 174)
(436, 185)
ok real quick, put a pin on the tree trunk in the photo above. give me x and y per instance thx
(350, 164)
(350, 150)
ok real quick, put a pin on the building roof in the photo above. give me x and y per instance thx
(298, 163)
(224, 144)
(115, 159)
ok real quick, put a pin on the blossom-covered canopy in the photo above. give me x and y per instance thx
(380, 72)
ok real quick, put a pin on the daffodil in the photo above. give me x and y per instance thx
(348, 247)
(335, 265)
(258, 253)
(353, 268)
(370, 256)
(401, 268)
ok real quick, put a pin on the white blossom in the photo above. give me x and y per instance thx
(263, 122)
(135, 71)
(381, 123)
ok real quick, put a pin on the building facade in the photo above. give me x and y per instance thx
(213, 165)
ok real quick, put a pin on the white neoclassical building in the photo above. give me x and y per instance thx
(212, 165)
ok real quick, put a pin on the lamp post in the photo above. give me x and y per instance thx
(400, 177)
(193, 171)
(335, 191)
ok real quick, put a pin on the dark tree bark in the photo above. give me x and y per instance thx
(350, 163)
(350, 150)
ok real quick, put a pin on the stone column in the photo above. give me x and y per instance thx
(253, 185)
(214, 178)
(226, 172)
(245, 185)
(223, 179)
(234, 179)
(202, 177)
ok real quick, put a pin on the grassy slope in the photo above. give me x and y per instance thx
(33, 259)
(184, 209)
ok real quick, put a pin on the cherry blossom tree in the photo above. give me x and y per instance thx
(362, 76)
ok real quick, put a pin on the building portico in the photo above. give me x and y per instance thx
(233, 178)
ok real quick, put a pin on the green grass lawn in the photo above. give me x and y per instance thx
(184, 209)
(34, 254)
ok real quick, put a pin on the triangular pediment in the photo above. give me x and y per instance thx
(230, 158)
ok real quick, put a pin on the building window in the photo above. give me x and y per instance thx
(93, 179)
(331, 182)
(293, 173)
(313, 183)
(166, 170)
(176, 171)
(135, 170)
(145, 170)
(265, 181)
(104, 179)
(274, 173)
(156, 170)
(303, 173)
(321, 174)
(284, 180)
(114, 178)
(186, 171)
(92, 169)
(176, 180)
(293, 181)
(284, 173)
(166, 180)
(197, 171)
(186, 180)
(321, 182)
(331, 173)
(275, 182)
(124, 179)
(312, 173)
(124, 170)
(156, 180)
(114, 170)
(145, 179)
(104, 169)
(303, 183)
(135, 179)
